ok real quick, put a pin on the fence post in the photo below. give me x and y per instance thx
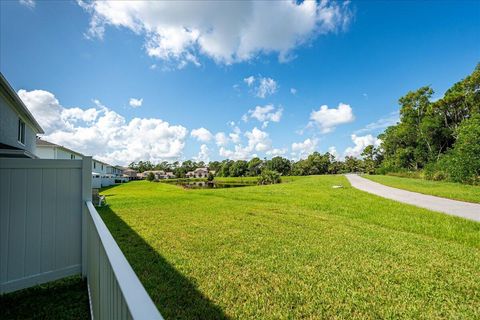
(86, 196)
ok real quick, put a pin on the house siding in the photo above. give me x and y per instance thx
(9, 128)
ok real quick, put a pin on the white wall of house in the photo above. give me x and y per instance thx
(99, 167)
(45, 153)
(9, 127)
(96, 181)
(102, 175)
(105, 171)
(50, 152)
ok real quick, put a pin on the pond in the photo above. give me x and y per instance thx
(211, 184)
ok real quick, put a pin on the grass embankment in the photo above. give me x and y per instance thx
(449, 190)
(62, 299)
(295, 250)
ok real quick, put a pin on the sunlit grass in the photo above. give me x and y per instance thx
(449, 190)
(295, 250)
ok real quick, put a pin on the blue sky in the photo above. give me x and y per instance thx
(77, 65)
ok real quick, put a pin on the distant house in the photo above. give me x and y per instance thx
(158, 174)
(198, 173)
(169, 175)
(18, 127)
(130, 174)
(103, 174)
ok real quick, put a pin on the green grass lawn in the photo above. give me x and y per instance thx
(62, 299)
(449, 190)
(294, 250)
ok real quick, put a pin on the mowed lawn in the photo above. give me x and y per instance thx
(62, 299)
(449, 190)
(295, 250)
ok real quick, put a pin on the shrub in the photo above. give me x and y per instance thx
(150, 176)
(269, 177)
(439, 175)
(463, 162)
(403, 173)
(436, 170)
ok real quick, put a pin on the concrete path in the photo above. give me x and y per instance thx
(453, 207)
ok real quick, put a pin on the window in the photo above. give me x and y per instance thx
(21, 131)
(94, 165)
(72, 157)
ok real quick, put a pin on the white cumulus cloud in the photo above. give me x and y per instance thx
(276, 152)
(333, 151)
(249, 80)
(266, 87)
(103, 133)
(221, 139)
(28, 3)
(301, 150)
(390, 120)
(135, 103)
(264, 114)
(257, 141)
(361, 142)
(261, 87)
(203, 154)
(202, 134)
(328, 118)
(225, 31)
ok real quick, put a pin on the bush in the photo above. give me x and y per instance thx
(150, 176)
(436, 170)
(269, 177)
(403, 173)
(210, 177)
(463, 162)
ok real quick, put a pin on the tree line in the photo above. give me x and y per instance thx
(315, 163)
(437, 140)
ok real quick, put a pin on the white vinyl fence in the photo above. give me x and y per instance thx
(49, 229)
(114, 289)
(40, 221)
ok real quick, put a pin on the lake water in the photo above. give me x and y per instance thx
(210, 185)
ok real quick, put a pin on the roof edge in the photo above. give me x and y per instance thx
(18, 103)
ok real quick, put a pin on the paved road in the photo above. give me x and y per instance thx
(453, 207)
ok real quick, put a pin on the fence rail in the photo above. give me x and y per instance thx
(114, 289)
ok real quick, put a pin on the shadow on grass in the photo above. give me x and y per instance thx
(61, 299)
(103, 189)
(174, 295)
